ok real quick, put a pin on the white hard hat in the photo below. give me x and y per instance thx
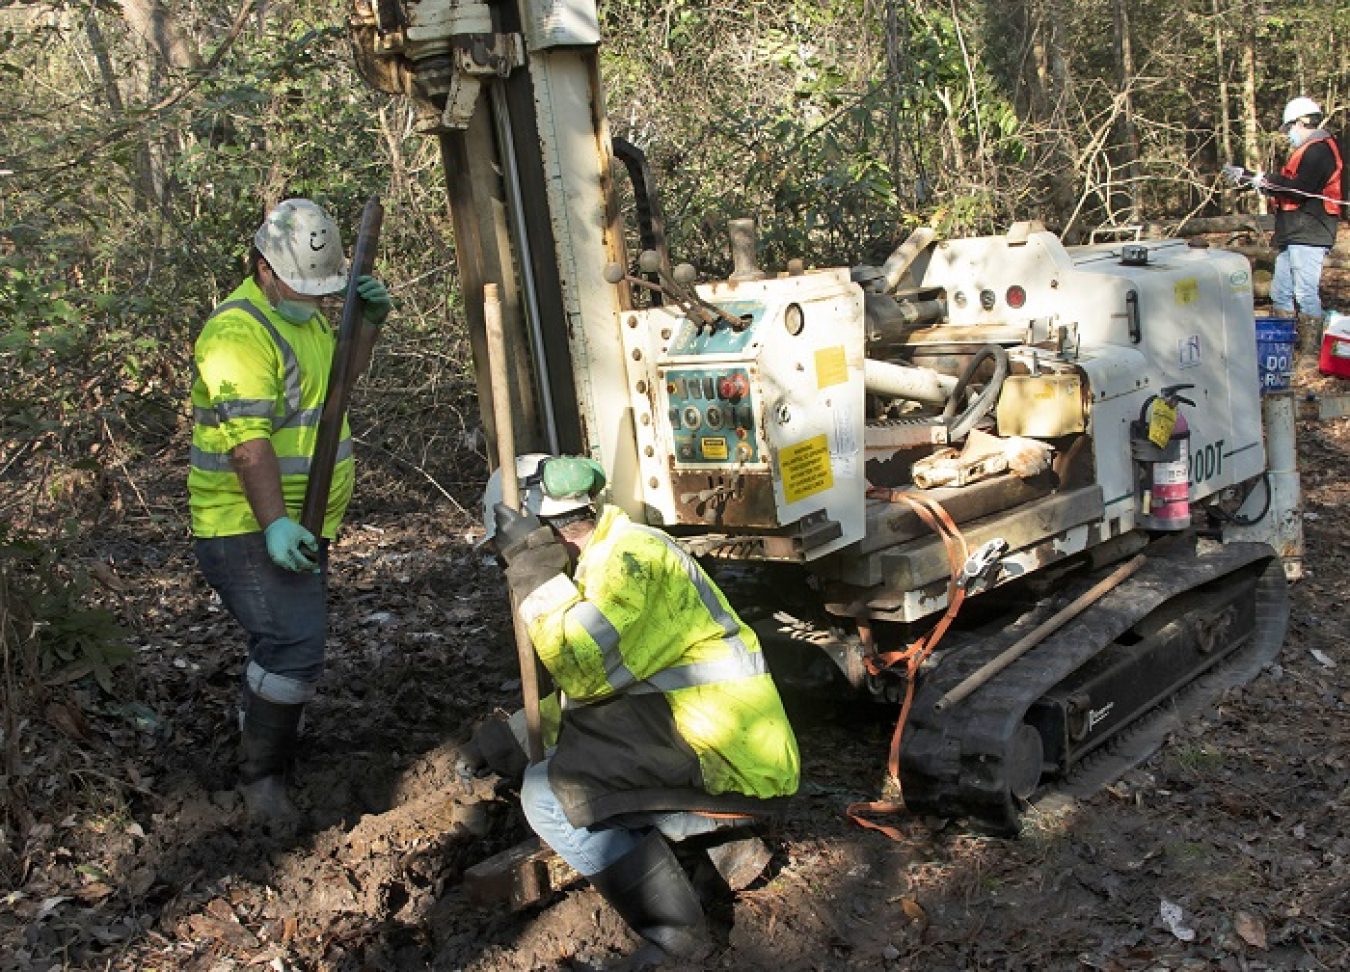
(1300, 107)
(574, 487)
(303, 247)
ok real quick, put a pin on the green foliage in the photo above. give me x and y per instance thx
(833, 146)
(66, 638)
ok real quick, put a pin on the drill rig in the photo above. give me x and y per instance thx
(910, 478)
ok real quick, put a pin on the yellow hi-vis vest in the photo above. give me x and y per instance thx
(258, 376)
(668, 699)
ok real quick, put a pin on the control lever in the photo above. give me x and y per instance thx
(616, 274)
(675, 286)
(680, 282)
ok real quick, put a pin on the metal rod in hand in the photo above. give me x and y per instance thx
(506, 461)
(1043, 630)
(342, 375)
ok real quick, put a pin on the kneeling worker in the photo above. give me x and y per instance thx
(669, 724)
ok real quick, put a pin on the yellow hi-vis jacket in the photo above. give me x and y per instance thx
(258, 376)
(668, 703)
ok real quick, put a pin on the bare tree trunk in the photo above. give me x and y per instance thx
(177, 49)
(1129, 136)
(1251, 130)
(1040, 89)
(1250, 123)
(152, 21)
(146, 185)
(1225, 117)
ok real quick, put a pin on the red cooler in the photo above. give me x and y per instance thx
(1334, 358)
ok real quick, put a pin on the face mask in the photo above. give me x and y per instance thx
(296, 311)
(1297, 138)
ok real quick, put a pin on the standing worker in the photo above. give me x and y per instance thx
(1307, 199)
(262, 366)
(669, 725)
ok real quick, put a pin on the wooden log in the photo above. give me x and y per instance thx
(518, 876)
(1264, 254)
(1201, 225)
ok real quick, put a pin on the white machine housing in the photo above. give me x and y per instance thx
(755, 428)
(1184, 317)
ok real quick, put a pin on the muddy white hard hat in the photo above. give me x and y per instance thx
(1300, 107)
(303, 247)
(550, 487)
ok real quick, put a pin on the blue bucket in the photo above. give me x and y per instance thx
(1275, 351)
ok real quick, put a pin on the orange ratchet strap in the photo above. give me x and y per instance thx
(941, 523)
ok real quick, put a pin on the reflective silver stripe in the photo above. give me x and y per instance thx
(237, 409)
(306, 417)
(219, 462)
(547, 598)
(288, 359)
(734, 668)
(214, 462)
(606, 637)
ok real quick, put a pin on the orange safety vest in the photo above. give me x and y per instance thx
(1332, 190)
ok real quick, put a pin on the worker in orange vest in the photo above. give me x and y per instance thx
(1306, 196)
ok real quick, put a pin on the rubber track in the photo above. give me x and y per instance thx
(1142, 738)
(952, 762)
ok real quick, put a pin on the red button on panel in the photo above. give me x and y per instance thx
(732, 387)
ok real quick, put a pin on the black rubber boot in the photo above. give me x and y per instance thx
(270, 733)
(651, 892)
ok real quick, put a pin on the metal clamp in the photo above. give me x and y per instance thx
(981, 564)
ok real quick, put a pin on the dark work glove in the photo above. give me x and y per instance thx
(532, 552)
(499, 748)
(512, 531)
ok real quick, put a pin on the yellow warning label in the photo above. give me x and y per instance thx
(805, 468)
(1161, 421)
(713, 448)
(1186, 291)
(831, 368)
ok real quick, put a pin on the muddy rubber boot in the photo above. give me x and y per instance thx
(270, 732)
(650, 891)
(1309, 344)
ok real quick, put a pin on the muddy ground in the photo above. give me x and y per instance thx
(136, 856)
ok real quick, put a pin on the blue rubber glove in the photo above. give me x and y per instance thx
(291, 546)
(376, 299)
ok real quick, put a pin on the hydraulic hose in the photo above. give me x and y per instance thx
(959, 427)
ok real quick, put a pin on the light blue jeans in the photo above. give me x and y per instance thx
(1298, 274)
(592, 849)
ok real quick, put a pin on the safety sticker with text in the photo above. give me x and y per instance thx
(805, 468)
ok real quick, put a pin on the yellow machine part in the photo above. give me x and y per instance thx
(1044, 406)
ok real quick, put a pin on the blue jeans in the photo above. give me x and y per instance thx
(592, 849)
(285, 614)
(1298, 274)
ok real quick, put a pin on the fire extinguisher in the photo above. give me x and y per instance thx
(1161, 444)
